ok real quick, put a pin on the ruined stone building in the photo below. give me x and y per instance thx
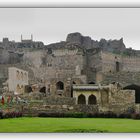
(17, 80)
(59, 68)
(81, 60)
(105, 97)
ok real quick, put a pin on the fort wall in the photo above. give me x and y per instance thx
(125, 63)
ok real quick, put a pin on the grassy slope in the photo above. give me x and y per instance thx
(69, 125)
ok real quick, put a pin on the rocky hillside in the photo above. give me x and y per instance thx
(114, 46)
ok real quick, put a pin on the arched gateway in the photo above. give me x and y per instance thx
(81, 99)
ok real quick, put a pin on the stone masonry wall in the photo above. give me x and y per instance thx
(127, 64)
(56, 105)
(122, 101)
(93, 65)
(125, 78)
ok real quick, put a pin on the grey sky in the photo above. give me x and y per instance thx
(53, 24)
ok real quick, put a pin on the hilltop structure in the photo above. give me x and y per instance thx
(57, 68)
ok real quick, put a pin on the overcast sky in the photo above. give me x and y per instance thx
(53, 24)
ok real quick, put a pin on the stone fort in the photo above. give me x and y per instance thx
(89, 74)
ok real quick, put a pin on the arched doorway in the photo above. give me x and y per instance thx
(73, 82)
(21, 75)
(113, 83)
(81, 99)
(137, 91)
(60, 85)
(17, 75)
(92, 100)
(43, 90)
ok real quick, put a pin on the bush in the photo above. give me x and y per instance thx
(110, 115)
(76, 115)
(1, 114)
(44, 114)
(79, 115)
(12, 115)
(85, 115)
(135, 116)
(102, 115)
(90, 115)
(72, 115)
(124, 116)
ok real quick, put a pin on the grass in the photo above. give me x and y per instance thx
(73, 125)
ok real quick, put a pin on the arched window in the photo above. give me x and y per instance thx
(17, 75)
(60, 85)
(21, 75)
(92, 100)
(81, 99)
(117, 66)
(91, 82)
